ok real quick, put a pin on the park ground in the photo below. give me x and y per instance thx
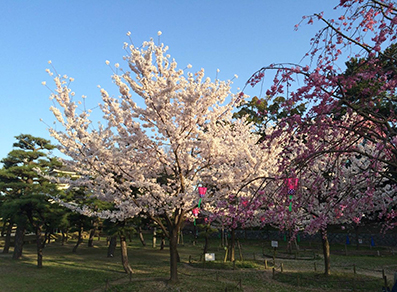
(89, 269)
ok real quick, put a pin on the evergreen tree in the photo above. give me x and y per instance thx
(25, 202)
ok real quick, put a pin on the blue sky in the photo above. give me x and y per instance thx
(236, 37)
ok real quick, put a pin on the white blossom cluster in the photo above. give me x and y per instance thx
(149, 160)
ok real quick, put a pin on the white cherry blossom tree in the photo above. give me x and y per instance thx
(148, 160)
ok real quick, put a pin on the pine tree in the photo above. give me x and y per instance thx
(25, 202)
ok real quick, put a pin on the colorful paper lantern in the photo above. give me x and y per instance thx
(195, 212)
(202, 191)
(292, 184)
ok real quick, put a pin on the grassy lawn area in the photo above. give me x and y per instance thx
(91, 270)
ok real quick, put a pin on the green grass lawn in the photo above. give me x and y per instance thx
(91, 270)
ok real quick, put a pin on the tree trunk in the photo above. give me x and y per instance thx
(112, 246)
(79, 239)
(64, 237)
(180, 238)
(206, 245)
(47, 237)
(232, 245)
(357, 235)
(194, 235)
(141, 238)
(124, 254)
(162, 245)
(326, 252)
(18, 244)
(154, 238)
(7, 241)
(223, 237)
(92, 233)
(39, 245)
(240, 250)
(174, 257)
(39, 241)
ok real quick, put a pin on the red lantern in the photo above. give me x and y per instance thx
(292, 186)
(195, 212)
(292, 183)
(202, 191)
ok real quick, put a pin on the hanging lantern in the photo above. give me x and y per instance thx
(292, 184)
(195, 212)
(202, 191)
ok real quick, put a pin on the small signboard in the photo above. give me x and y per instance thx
(209, 257)
(274, 243)
(360, 241)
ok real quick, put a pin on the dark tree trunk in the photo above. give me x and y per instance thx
(7, 241)
(39, 241)
(326, 252)
(240, 250)
(195, 233)
(154, 238)
(174, 256)
(124, 255)
(47, 238)
(223, 237)
(232, 245)
(92, 233)
(39, 245)
(141, 238)
(18, 244)
(357, 235)
(180, 237)
(162, 245)
(64, 237)
(112, 246)
(206, 240)
(79, 239)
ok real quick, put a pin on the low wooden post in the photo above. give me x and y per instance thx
(265, 262)
(354, 269)
(107, 285)
(354, 284)
(274, 272)
(385, 278)
(383, 273)
(315, 267)
(282, 267)
(190, 259)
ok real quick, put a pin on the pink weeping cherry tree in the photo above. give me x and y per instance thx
(348, 89)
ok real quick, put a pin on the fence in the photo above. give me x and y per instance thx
(351, 283)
